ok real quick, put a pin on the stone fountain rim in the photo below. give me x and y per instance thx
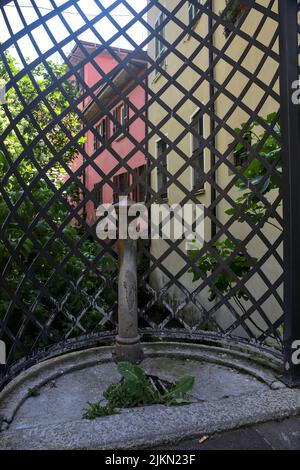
(150, 426)
(17, 391)
(268, 355)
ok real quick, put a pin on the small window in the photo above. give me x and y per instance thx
(96, 138)
(80, 80)
(193, 10)
(101, 134)
(197, 152)
(104, 129)
(116, 120)
(160, 34)
(140, 184)
(98, 195)
(124, 116)
(162, 166)
(121, 118)
(121, 183)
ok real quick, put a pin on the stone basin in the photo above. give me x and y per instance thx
(232, 389)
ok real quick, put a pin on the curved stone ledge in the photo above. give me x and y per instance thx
(261, 397)
(151, 426)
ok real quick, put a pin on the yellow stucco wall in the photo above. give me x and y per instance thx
(225, 107)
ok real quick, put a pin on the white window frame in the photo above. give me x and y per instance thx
(159, 45)
(105, 136)
(124, 115)
(193, 8)
(121, 115)
(96, 138)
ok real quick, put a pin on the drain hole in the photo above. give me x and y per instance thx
(162, 386)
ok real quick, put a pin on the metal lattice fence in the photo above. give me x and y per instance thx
(167, 103)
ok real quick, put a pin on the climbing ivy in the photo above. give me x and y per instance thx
(257, 151)
(257, 175)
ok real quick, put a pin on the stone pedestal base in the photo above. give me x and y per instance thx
(128, 350)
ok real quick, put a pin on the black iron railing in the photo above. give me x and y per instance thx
(58, 280)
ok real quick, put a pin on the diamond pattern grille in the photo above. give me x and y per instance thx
(58, 280)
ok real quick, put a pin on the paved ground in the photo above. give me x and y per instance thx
(276, 435)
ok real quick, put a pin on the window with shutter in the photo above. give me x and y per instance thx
(140, 180)
(193, 10)
(126, 117)
(116, 120)
(98, 195)
(96, 137)
(160, 34)
(121, 116)
(197, 152)
(80, 80)
(121, 184)
(162, 166)
(104, 129)
(115, 188)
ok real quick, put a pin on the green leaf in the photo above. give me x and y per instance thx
(181, 387)
(131, 372)
(230, 211)
(257, 180)
(266, 185)
(271, 117)
(178, 402)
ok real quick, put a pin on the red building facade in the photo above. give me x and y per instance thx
(116, 142)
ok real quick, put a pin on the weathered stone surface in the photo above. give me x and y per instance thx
(151, 426)
(230, 391)
(128, 344)
(12, 397)
(63, 399)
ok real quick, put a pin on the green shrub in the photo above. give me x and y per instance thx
(52, 269)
